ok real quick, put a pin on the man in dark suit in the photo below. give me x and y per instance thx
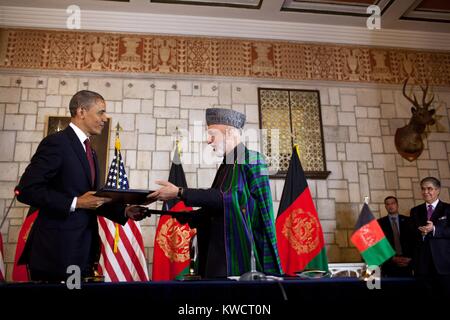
(60, 180)
(431, 221)
(397, 229)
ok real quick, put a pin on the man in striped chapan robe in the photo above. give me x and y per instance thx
(235, 218)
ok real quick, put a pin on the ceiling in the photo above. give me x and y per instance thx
(423, 15)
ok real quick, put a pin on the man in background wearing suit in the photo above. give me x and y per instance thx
(431, 222)
(60, 180)
(397, 229)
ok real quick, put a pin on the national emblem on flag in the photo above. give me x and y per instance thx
(370, 240)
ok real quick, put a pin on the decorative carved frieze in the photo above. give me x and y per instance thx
(113, 52)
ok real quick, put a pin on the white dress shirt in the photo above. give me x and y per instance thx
(82, 137)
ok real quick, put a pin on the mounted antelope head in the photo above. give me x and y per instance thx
(408, 139)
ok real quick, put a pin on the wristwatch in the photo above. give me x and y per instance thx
(180, 192)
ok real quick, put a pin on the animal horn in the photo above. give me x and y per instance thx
(414, 102)
(425, 103)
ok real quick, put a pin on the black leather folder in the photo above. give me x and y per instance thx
(129, 196)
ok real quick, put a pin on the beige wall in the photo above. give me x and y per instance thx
(359, 125)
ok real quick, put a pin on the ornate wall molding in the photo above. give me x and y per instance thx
(182, 55)
(193, 25)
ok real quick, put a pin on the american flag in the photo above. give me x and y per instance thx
(122, 255)
(2, 265)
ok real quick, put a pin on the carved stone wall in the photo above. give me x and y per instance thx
(358, 125)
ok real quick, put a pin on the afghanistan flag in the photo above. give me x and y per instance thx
(171, 254)
(369, 238)
(20, 272)
(299, 233)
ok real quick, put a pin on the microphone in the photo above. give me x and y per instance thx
(16, 193)
(253, 274)
(193, 253)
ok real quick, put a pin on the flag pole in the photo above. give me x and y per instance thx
(366, 275)
(117, 147)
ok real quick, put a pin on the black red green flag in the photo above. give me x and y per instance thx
(369, 239)
(171, 255)
(20, 272)
(299, 233)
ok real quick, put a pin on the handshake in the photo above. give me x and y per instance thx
(138, 213)
(136, 200)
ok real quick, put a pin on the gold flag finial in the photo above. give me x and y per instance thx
(177, 134)
(295, 142)
(293, 136)
(118, 128)
(117, 142)
(177, 140)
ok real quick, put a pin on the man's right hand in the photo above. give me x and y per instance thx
(89, 201)
(168, 191)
